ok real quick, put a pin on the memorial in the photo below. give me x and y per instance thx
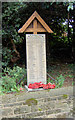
(35, 49)
(36, 58)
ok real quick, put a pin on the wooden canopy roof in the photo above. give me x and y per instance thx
(35, 24)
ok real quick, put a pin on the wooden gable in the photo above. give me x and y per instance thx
(35, 24)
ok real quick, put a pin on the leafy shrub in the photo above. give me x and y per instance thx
(6, 54)
(10, 77)
(58, 81)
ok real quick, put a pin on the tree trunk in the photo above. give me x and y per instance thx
(15, 58)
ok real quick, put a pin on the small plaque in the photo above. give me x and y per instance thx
(36, 58)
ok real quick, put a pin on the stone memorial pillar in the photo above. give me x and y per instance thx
(36, 58)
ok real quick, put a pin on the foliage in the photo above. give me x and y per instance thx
(70, 6)
(15, 14)
(71, 65)
(11, 20)
(58, 81)
(65, 70)
(10, 77)
(7, 54)
(73, 83)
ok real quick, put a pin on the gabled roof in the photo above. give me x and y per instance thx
(30, 20)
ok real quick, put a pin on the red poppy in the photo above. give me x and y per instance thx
(30, 85)
(49, 85)
(41, 85)
(45, 86)
(52, 86)
(35, 86)
(36, 83)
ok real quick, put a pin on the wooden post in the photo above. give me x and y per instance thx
(35, 26)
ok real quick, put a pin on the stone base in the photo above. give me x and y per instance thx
(29, 89)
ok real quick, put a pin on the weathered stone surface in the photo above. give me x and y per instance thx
(34, 108)
(36, 58)
(43, 116)
(34, 114)
(22, 109)
(8, 99)
(51, 116)
(13, 104)
(46, 107)
(6, 112)
(53, 111)
(61, 104)
(64, 115)
(53, 98)
(49, 112)
(38, 94)
(0, 99)
(17, 110)
(25, 109)
(47, 99)
(57, 110)
(20, 116)
(0, 111)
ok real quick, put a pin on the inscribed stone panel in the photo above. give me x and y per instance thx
(36, 58)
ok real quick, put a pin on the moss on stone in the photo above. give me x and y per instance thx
(31, 101)
(40, 109)
(65, 96)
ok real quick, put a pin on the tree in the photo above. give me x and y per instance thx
(15, 14)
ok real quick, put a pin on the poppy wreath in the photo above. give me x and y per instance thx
(41, 85)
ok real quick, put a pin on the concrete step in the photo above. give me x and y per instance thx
(36, 105)
(46, 107)
(39, 101)
(56, 113)
(17, 97)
